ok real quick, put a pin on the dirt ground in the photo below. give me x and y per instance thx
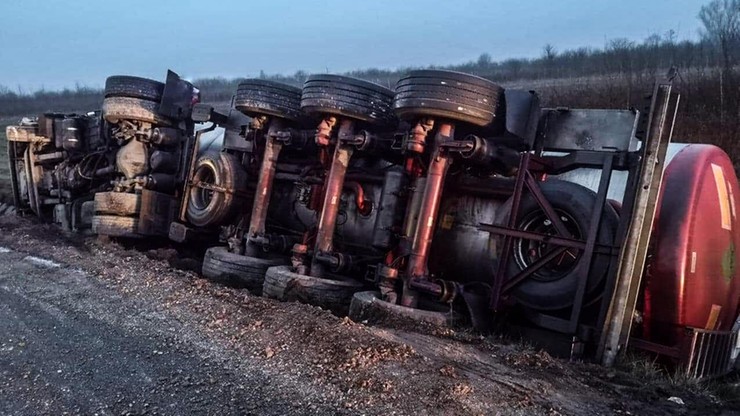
(208, 348)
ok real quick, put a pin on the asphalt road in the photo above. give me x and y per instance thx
(69, 345)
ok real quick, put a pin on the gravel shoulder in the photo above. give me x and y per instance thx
(113, 330)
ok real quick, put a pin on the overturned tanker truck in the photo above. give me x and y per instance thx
(453, 202)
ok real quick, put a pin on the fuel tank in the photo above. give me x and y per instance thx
(461, 252)
(692, 277)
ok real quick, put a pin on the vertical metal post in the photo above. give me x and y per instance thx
(189, 175)
(618, 320)
(503, 261)
(584, 266)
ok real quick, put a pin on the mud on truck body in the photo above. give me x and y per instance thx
(115, 171)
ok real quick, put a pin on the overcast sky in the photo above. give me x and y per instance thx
(61, 43)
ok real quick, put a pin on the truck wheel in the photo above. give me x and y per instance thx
(208, 207)
(349, 97)
(249, 272)
(369, 307)
(447, 94)
(554, 286)
(256, 97)
(117, 108)
(133, 87)
(115, 226)
(335, 295)
(117, 203)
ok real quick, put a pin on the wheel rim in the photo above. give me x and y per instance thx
(201, 197)
(526, 252)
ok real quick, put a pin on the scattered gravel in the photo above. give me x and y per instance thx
(237, 353)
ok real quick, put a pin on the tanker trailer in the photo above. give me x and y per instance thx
(150, 123)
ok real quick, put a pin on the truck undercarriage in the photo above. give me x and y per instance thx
(447, 201)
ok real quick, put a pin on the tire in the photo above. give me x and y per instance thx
(348, 97)
(257, 97)
(448, 94)
(249, 272)
(117, 203)
(553, 288)
(335, 295)
(115, 226)
(206, 208)
(368, 307)
(117, 108)
(134, 87)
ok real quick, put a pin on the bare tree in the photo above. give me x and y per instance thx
(549, 53)
(721, 20)
(622, 50)
(484, 60)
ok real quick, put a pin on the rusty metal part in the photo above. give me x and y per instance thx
(315, 197)
(258, 122)
(364, 206)
(324, 131)
(299, 258)
(334, 186)
(417, 265)
(264, 187)
(444, 291)
(215, 188)
(416, 141)
(388, 277)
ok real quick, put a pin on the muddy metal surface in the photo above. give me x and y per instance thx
(90, 327)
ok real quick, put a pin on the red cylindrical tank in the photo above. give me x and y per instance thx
(692, 277)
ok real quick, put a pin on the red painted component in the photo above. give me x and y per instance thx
(696, 246)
